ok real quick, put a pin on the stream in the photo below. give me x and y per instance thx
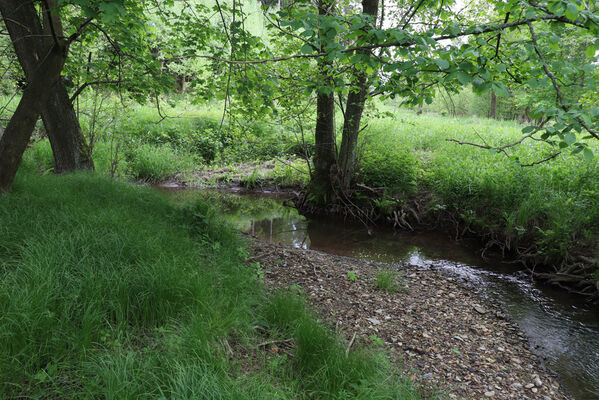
(561, 328)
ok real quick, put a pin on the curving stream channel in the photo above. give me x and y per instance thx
(561, 328)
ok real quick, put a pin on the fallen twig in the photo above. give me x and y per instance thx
(350, 344)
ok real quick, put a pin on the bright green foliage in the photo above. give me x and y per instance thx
(351, 276)
(158, 163)
(95, 273)
(384, 164)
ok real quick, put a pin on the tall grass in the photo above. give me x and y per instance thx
(554, 205)
(109, 291)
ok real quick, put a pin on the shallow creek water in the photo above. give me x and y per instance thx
(560, 327)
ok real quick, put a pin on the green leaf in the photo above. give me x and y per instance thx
(570, 138)
(463, 77)
(442, 63)
(528, 129)
(571, 11)
(588, 154)
(590, 51)
(500, 89)
(306, 49)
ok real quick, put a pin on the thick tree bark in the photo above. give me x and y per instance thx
(493, 105)
(353, 112)
(69, 147)
(31, 39)
(325, 154)
(325, 141)
(351, 130)
(18, 131)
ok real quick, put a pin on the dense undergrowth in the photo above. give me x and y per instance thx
(110, 291)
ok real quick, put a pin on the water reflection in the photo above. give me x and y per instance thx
(560, 327)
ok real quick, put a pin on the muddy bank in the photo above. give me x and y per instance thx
(437, 330)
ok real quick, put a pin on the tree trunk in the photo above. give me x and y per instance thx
(493, 105)
(18, 131)
(527, 118)
(353, 112)
(325, 153)
(31, 40)
(69, 147)
(351, 130)
(325, 141)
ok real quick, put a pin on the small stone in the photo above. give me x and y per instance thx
(479, 309)
(373, 321)
(538, 382)
(529, 385)
(517, 385)
(534, 390)
(490, 394)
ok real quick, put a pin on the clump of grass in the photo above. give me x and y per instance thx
(158, 163)
(388, 280)
(39, 156)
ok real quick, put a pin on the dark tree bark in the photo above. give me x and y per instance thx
(527, 115)
(493, 105)
(18, 131)
(31, 39)
(353, 112)
(69, 147)
(325, 153)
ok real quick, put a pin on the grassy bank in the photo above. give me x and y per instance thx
(547, 213)
(109, 291)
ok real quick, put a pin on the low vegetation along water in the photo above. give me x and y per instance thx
(561, 328)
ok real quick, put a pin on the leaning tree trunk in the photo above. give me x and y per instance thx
(325, 154)
(31, 39)
(69, 147)
(18, 131)
(353, 112)
(351, 129)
